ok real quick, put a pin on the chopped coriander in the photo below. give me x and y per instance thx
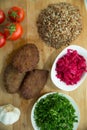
(55, 112)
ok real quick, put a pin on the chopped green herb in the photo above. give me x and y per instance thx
(55, 112)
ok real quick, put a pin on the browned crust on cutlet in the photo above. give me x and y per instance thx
(33, 83)
(12, 79)
(26, 58)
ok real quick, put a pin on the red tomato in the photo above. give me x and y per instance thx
(2, 40)
(2, 16)
(13, 31)
(16, 14)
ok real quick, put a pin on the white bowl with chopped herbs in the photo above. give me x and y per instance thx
(55, 111)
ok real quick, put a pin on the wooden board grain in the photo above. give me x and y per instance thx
(47, 55)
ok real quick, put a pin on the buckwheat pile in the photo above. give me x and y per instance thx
(59, 24)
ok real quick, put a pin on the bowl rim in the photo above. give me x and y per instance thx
(74, 104)
(85, 2)
(56, 81)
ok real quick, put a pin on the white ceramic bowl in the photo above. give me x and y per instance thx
(85, 2)
(77, 112)
(60, 84)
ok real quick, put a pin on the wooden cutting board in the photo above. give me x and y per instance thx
(47, 55)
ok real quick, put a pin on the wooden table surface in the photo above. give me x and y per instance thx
(47, 55)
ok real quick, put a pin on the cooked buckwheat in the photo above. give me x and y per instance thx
(59, 24)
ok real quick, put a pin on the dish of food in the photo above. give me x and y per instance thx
(59, 24)
(21, 76)
(12, 79)
(17, 85)
(61, 83)
(55, 111)
(33, 83)
(26, 58)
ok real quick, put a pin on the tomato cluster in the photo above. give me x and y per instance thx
(12, 30)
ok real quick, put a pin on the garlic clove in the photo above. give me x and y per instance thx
(9, 114)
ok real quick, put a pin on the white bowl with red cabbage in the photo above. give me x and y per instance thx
(69, 69)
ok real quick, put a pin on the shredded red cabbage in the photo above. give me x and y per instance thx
(71, 67)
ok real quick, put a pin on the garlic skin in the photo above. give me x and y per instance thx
(9, 114)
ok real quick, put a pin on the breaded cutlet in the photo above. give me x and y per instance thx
(26, 58)
(33, 83)
(12, 79)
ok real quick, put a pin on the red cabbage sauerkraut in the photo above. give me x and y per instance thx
(71, 67)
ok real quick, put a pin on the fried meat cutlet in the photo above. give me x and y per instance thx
(12, 79)
(33, 83)
(26, 58)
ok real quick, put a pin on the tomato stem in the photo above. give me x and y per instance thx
(14, 14)
(12, 28)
